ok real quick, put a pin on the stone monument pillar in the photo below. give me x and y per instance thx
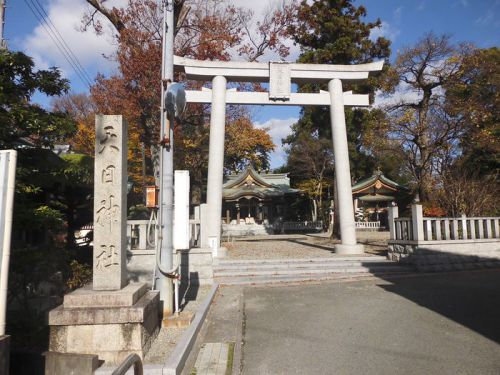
(110, 318)
(110, 203)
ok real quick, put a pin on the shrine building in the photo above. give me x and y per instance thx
(373, 194)
(256, 199)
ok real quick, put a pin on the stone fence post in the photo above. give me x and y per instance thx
(203, 225)
(417, 219)
(392, 213)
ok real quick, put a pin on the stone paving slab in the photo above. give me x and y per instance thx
(212, 359)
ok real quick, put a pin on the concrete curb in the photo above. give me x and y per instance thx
(175, 363)
(238, 345)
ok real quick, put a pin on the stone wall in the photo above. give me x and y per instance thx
(196, 266)
(140, 266)
(447, 255)
(400, 252)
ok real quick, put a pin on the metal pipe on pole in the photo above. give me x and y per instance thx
(165, 217)
(7, 185)
(3, 44)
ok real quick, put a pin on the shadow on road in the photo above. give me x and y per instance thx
(471, 299)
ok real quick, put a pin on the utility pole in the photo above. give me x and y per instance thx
(3, 44)
(165, 217)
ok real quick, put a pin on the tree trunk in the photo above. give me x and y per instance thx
(424, 162)
(336, 218)
(314, 210)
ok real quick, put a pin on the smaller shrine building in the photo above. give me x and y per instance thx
(372, 196)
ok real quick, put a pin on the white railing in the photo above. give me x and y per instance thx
(367, 224)
(194, 233)
(141, 234)
(435, 229)
(138, 236)
(463, 228)
(403, 228)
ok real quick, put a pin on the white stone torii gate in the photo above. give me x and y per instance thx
(280, 76)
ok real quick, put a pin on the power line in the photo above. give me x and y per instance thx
(57, 42)
(75, 59)
(38, 15)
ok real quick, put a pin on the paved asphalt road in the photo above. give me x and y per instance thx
(437, 324)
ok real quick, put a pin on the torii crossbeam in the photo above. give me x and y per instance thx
(280, 76)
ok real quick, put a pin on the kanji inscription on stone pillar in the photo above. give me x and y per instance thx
(110, 203)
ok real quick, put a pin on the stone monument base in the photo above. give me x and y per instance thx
(110, 324)
(349, 249)
(181, 320)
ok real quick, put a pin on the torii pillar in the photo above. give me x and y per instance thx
(216, 163)
(280, 75)
(348, 244)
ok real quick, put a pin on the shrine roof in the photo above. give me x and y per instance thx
(249, 183)
(378, 184)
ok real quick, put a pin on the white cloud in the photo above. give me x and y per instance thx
(386, 31)
(259, 7)
(403, 93)
(397, 14)
(278, 129)
(486, 18)
(88, 47)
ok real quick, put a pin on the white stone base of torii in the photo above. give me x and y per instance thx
(280, 76)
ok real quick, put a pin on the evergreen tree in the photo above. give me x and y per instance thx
(334, 32)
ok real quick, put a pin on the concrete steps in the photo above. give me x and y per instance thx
(270, 271)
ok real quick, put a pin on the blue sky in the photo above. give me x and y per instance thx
(404, 22)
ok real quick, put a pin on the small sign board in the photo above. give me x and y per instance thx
(279, 81)
(152, 196)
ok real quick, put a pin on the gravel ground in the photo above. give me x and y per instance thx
(300, 246)
(166, 340)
